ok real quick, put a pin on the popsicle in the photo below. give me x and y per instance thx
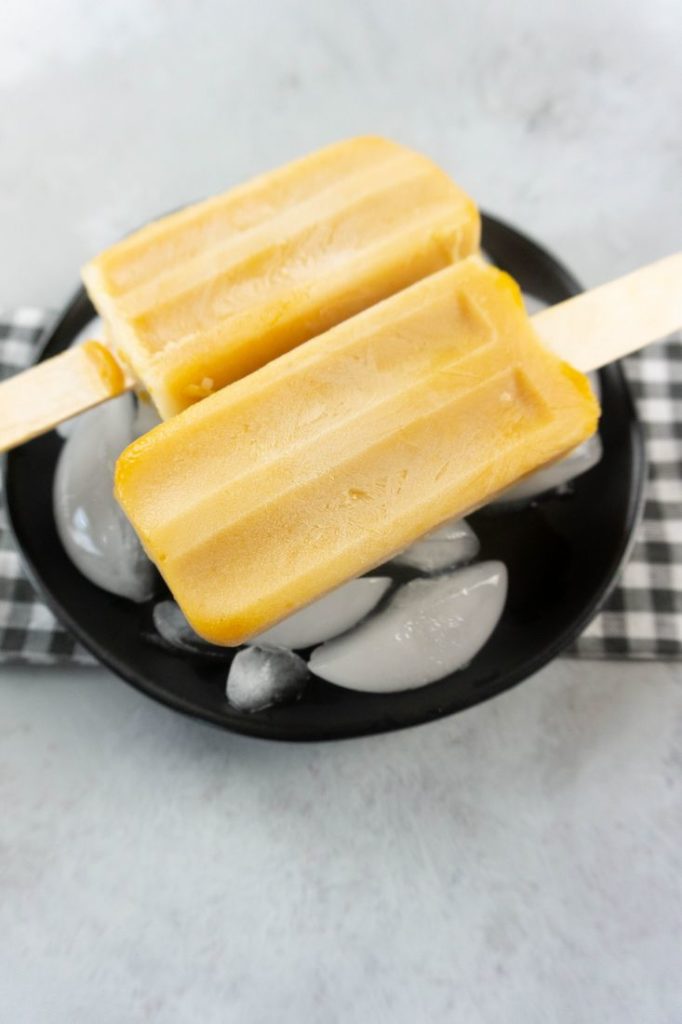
(204, 296)
(336, 456)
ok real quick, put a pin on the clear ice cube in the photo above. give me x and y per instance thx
(261, 677)
(430, 628)
(172, 626)
(577, 462)
(331, 615)
(454, 543)
(95, 533)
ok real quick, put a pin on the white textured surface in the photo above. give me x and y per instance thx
(519, 863)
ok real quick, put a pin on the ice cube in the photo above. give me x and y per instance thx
(95, 533)
(146, 417)
(172, 626)
(430, 628)
(260, 677)
(577, 462)
(332, 614)
(93, 331)
(455, 543)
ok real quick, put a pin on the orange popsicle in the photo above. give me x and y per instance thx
(334, 457)
(202, 297)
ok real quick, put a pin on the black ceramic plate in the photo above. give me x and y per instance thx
(563, 555)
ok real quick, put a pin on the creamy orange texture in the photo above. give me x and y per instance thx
(330, 459)
(204, 296)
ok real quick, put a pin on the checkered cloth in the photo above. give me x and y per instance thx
(29, 632)
(643, 616)
(641, 619)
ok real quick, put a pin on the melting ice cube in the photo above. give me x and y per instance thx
(431, 627)
(95, 533)
(262, 676)
(332, 614)
(173, 627)
(582, 458)
(146, 417)
(455, 543)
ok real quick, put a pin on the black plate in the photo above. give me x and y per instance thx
(563, 556)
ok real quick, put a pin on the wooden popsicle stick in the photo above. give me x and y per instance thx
(615, 319)
(33, 402)
(587, 331)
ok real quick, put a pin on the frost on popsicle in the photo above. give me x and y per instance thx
(95, 533)
(455, 543)
(261, 677)
(331, 615)
(430, 628)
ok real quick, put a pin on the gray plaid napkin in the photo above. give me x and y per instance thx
(29, 632)
(642, 618)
